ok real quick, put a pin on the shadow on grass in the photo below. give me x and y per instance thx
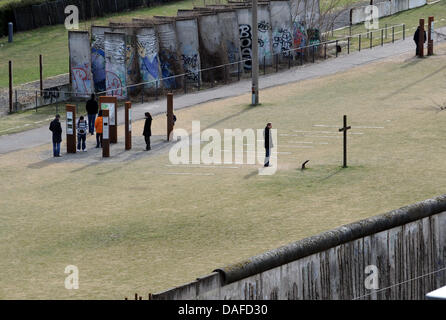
(413, 83)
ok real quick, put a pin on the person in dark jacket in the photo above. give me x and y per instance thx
(92, 110)
(56, 129)
(268, 142)
(147, 130)
(416, 38)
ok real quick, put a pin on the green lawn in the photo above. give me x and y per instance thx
(134, 223)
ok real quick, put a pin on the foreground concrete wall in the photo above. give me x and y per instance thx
(385, 8)
(170, 62)
(227, 22)
(189, 47)
(115, 64)
(98, 56)
(148, 55)
(281, 25)
(80, 63)
(403, 244)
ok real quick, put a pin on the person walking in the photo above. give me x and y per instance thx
(92, 110)
(147, 130)
(416, 38)
(268, 143)
(82, 128)
(98, 127)
(56, 129)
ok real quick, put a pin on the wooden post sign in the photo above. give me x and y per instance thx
(111, 104)
(169, 115)
(71, 128)
(421, 39)
(128, 125)
(430, 37)
(105, 134)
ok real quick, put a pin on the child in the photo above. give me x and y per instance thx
(82, 128)
(98, 127)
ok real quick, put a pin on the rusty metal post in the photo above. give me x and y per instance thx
(430, 41)
(382, 37)
(359, 40)
(371, 39)
(348, 45)
(105, 133)
(41, 74)
(421, 39)
(169, 115)
(128, 125)
(71, 128)
(10, 86)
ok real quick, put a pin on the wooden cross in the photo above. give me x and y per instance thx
(344, 129)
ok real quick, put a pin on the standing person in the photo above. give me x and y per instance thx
(92, 110)
(56, 129)
(268, 142)
(147, 130)
(98, 127)
(416, 38)
(81, 134)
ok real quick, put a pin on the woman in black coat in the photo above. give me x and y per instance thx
(147, 130)
(56, 129)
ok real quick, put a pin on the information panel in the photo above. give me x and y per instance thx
(69, 122)
(105, 128)
(111, 108)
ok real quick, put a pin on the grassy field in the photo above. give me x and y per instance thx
(131, 223)
(52, 41)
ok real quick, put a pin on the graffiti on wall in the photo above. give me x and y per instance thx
(98, 61)
(148, 59)
(167, 60)
(264, 39)
(246, 45)
(81, 80)
(283, 42)
(191, 66)
(115, 64)
(299, 37)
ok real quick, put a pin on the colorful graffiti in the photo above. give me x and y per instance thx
(148, 59)
(246, 45)
(167, 71)
(98, 61)
(115, 65)
(81, 80)
(299, 37)
(114, 85)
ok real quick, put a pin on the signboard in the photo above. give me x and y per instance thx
(105, 128)
(69, 122)
(111, 107)
(432, 30)
(130, 119)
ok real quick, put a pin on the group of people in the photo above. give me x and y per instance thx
(84, 126)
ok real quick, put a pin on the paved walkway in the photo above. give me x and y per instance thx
(39, 136)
